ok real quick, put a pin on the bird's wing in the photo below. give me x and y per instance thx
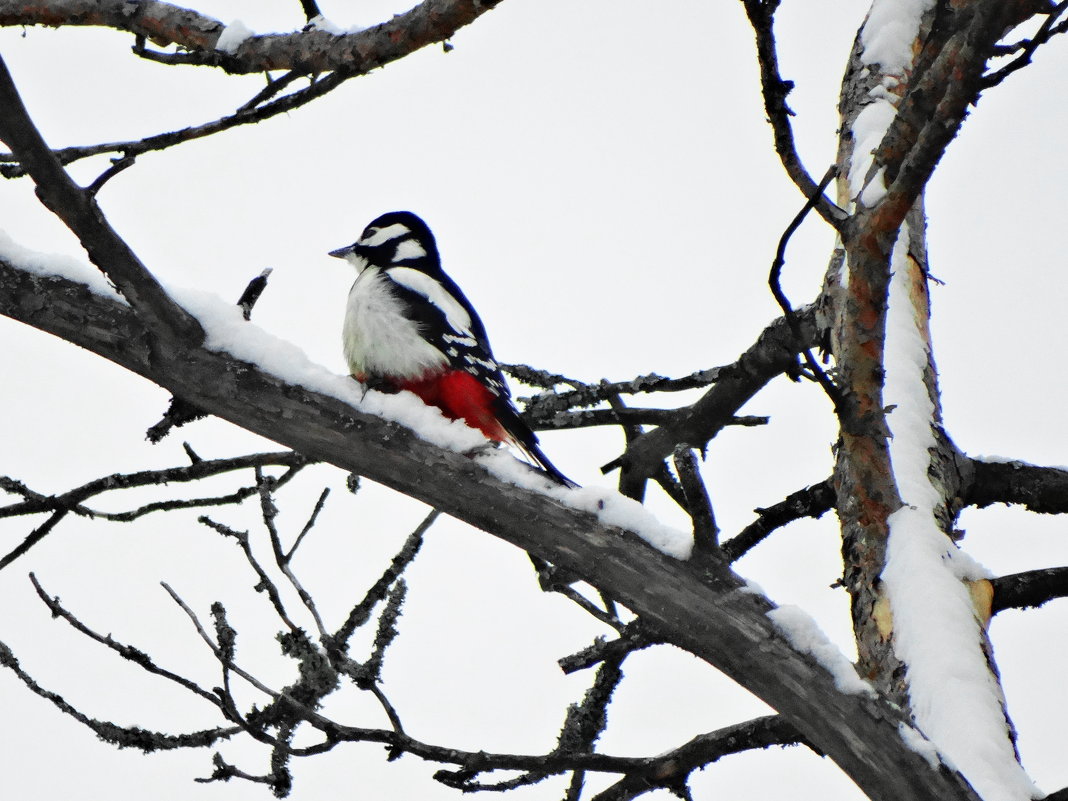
(448, 322)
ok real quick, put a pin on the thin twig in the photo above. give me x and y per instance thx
(1027, 47)
(319, 504)
(33, 537)
(163, 141)
(125, 651)
(268, 512)
(761, 14)
(272, 88)
(121, 736)
(633, 637)
(117, 166)
(264, 584)
(811, 501)
(361, 613)
(791, 316)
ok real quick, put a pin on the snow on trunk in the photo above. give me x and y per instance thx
(954, 693)
(955, 698)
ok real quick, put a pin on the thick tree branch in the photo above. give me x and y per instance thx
(707, 611)
(1030, 589)
(308, 51)
(811, 501)
(1039, 489)
(77, 208)
(673, 768)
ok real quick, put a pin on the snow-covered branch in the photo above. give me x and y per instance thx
(78, 210)
(308, 51)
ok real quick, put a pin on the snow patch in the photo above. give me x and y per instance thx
(955, 700)
(321, 23)
(869, 128)
(233, 36)
(605, 503)
(889, 32)
(915, 741)
(805, 635)
(887, 36)
(54, 264)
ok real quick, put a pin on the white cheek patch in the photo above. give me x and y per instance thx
(382, 235)
(409, 249)
(421, 283)
(356, 260)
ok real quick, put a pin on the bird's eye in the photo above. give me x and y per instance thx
(368, 233)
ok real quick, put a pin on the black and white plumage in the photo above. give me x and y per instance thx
(408, 326)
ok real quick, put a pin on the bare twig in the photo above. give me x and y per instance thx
(73, 500)
(181, 411)
(588, 418)
(252, 292)
(265, 584)
(811, 501)
(817, 372)
(671, 769)
(633, 637)
(117, 166)
(761, 15)
(33, 537)
(128, 652)
(311, 9)
(607, 615)
(121, 736)
(319, 504)
(1027, 47)
(163, 141)
(268, 512)
(583, 395)
(361, 613)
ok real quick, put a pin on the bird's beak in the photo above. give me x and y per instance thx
(341, 253)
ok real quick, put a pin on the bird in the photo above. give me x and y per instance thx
(408, 326)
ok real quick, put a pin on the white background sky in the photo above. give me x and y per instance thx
(602, 184)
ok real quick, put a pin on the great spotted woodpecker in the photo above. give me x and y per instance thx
(409, 327)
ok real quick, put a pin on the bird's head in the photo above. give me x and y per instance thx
(396, 239)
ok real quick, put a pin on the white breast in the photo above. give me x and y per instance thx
(378, 339)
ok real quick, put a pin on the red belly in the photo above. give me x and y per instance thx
(460, 396)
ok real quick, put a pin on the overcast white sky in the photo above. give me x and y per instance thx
(602, 184)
